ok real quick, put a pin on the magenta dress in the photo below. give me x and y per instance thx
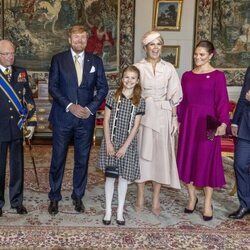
(199, 159)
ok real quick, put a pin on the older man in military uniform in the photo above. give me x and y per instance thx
(17, 110)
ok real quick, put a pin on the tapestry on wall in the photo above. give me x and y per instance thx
(39, 29)
(227, 24)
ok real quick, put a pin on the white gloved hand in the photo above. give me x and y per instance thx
(175, 125)
(30, 132)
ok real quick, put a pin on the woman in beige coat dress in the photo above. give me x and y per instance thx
(162, 91)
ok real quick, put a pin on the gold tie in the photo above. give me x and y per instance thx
(8, 74)
(78, 70)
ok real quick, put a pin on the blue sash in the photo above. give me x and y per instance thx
(11, 94)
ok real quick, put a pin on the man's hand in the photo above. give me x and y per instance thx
(234, 130)
(248, 95)
(86, 113)
(30, 132)
(79, 111)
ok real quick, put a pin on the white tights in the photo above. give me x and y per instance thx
(109, 191)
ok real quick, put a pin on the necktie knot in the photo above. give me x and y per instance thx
(76, 58)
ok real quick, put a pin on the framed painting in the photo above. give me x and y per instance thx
(171, 53)
(167, 15)
(227, 24)
(39, 29)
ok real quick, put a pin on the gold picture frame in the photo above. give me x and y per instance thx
(171, 54)
(167, 15)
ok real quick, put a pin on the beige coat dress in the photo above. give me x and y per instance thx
(162, 91)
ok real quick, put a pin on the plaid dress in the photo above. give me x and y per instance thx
(123, 114)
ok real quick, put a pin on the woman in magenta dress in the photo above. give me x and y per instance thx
(199, 159)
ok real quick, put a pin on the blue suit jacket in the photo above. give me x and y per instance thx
(9, 115)
(242, 112)
(63, 86)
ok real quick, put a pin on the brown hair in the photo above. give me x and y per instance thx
(78, 28)
(137, 89)
(207, 45)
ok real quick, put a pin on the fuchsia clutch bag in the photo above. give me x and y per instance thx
(212, 125)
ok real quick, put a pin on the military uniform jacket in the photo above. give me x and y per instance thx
(9, 116)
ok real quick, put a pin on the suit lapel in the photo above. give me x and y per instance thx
(14, 71)
(87, 66)
(70, 66)
(14, 75)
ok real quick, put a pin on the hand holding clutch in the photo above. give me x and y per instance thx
(212, 125)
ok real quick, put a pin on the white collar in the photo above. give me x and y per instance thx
(4, 68)
(73, 53)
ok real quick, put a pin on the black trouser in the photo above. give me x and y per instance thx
(82, 143)
(242, 171)
(16, 172)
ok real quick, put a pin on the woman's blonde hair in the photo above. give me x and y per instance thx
(137, 89)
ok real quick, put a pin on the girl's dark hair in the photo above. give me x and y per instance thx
(137, 89)
(207, 45)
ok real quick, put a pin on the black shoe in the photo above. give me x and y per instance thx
(79, 207)
(1, 212)
(189, 211)
(239, 214)
(106, 222)
(20, 209)
(208, 218)
(53, 208)
(120, 222)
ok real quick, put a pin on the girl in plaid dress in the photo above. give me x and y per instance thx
(123, 111)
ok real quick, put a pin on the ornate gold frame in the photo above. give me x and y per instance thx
(171, 52)
(170, 21)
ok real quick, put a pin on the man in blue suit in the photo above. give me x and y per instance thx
(17, 111)
(241, 129)
(78, 86)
